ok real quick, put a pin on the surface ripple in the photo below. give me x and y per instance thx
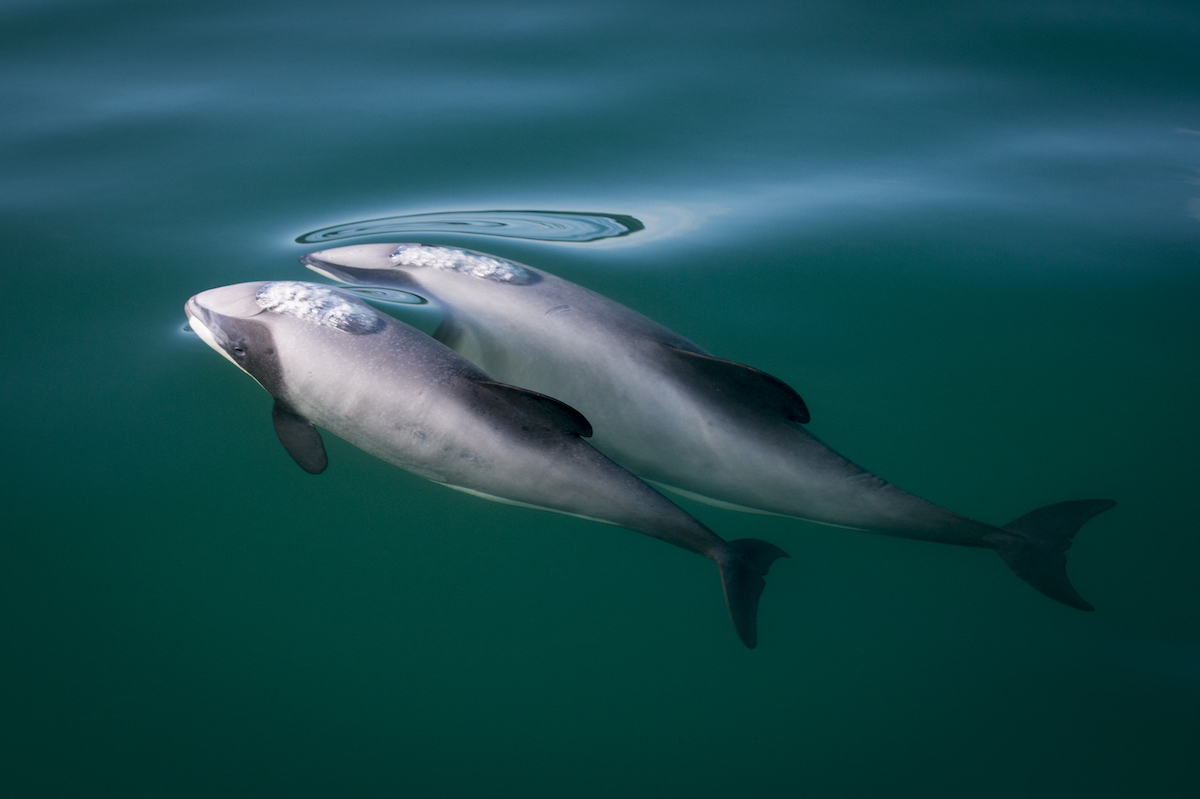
(572, 226)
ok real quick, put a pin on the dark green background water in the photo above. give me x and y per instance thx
(967, 234)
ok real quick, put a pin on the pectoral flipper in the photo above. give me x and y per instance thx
(300, 438)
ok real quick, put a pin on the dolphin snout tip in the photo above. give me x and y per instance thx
(353, 255)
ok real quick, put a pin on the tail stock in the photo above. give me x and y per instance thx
(742, 572)
(1036, 549)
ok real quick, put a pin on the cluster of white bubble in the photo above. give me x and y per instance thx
(465, 261)
(319, 304)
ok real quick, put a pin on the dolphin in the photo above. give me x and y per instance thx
(676, 415)
(329, 359)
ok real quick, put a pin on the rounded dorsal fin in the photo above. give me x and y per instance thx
(562, 415)
(753, 386)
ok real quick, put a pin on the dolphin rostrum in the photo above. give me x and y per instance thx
(329, 359)
(674, 414)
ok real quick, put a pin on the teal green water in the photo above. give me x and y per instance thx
(968, 235)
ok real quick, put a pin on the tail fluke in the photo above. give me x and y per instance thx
(742, 574)
(1036, 549)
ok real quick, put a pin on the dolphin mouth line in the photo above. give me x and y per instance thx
(195, 315)
(322, 268)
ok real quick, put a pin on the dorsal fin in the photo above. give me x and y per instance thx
(752, 386)
(299, 438)
(560, 414)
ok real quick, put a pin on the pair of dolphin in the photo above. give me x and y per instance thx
(670, 412)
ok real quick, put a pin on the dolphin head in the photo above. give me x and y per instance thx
(223, 318)
(414, 267)
(241, 321)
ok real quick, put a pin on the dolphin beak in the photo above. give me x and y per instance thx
(360, 256)
(322, 267)
(193, 312)
(199, 320)
(361, 265)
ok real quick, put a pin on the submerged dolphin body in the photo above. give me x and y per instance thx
(717, 431)
(329, 359)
